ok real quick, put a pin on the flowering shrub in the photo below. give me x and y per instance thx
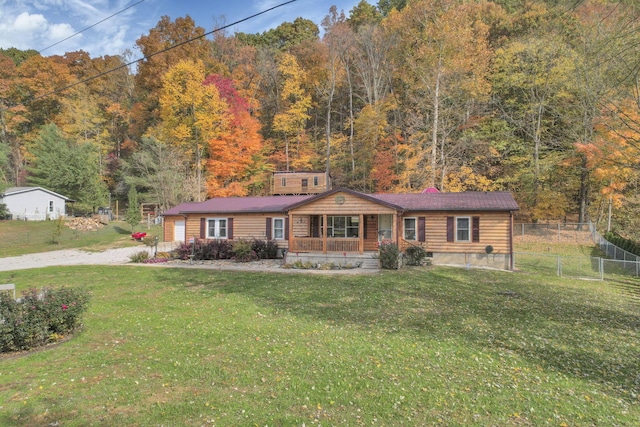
(388, 253)
(39, 317)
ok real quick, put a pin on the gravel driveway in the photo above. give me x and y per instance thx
(121, 256)
(69, 257)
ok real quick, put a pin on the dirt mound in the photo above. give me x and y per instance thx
(84, 224)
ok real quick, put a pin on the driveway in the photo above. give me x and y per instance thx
(70, 257)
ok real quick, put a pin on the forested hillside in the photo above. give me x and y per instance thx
(541, 98)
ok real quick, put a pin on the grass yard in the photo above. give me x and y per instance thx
(450, 347)
(26, 237)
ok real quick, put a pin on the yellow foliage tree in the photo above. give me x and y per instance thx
(192, 114)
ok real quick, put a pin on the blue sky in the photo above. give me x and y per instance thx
(38, 24)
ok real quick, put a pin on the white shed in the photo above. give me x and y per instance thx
(34, 203)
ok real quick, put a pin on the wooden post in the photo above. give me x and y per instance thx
(324, 233)
(361, 235)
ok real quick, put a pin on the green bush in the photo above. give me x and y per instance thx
(243, 251)
(39, 317)
(622, 243)
(139, 257)
(388, 254)
(415, 255)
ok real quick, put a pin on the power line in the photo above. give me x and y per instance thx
(88, 79)
(91, 26)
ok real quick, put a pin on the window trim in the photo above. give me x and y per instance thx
(315, 181)
(468, 229)
(283, 182)
(405, 228)
(217, 228)
(274, 236)
(331, 228)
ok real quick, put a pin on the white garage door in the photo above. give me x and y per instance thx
(179, 231)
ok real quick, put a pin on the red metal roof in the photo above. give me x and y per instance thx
(466, 201)
(238, 205)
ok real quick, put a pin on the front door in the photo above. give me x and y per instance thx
(385, 224)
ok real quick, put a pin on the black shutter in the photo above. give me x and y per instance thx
(286, 228)
(475, 229)
(203, 228)
(450, 229)
(421, 229)
(268, 229)
(230, 228)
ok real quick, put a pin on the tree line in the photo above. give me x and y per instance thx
(540, 98)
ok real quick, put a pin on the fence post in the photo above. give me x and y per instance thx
(559, 267)
(601, 264)
(558, 234)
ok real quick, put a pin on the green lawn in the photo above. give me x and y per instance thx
(25, 237)
(446, 346)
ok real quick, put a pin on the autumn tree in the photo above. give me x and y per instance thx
(192, 114)
(235, 159)
(443, 57)
(291, 120)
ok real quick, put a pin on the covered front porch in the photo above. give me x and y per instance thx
(343, 234)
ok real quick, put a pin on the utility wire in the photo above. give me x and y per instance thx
(88, 79)
(91, 26)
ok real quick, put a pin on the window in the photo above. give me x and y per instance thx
(216, 228)
(283, 182)
(463, 229)
(315, 181)
(343, 226)
(50, 205)
(278, 228)
(410, 229)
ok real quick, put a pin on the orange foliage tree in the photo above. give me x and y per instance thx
(235, 154)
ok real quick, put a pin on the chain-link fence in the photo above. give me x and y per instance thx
(553, 233)
(616, 263)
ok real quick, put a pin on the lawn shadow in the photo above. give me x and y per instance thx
(556, 328)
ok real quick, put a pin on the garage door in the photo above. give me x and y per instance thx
(179, 231)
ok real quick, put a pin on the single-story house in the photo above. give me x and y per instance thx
(34, 203)
(468, 228)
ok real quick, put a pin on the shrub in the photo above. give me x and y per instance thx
(265, 249)
(388, 254)
(138, 257)
(415, 255)
(39, 317)
(243, 251)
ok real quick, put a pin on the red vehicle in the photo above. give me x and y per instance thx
(139, 235)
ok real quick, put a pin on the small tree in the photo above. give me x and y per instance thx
(133, 215)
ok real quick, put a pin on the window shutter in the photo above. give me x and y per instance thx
(364, 226)
(203, 228)
(450, 229)
(268, 229)
(421, 229)
(475, 229)
(286, 228)
(230, 228)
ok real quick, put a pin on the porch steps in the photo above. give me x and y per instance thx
(369, 264)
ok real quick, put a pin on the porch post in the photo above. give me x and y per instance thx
(361, 235)
(291, 236)
(324, 233)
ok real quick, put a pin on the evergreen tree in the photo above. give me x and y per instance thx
(133, 216)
